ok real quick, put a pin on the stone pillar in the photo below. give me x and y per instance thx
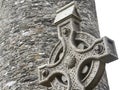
(27, 36)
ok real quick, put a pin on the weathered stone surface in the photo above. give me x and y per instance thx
(27, 36)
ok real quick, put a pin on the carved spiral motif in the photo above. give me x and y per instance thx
(99, 49)
(66, 31)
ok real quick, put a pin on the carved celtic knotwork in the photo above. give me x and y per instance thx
(77, 62)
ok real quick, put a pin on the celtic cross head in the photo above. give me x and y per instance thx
(78, 60)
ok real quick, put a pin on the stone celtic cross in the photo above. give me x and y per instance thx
(78, 60)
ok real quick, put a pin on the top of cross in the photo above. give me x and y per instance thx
(67, 12)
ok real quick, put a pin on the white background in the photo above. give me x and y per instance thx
(108, 12)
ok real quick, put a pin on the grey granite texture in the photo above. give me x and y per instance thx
(27, 36)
